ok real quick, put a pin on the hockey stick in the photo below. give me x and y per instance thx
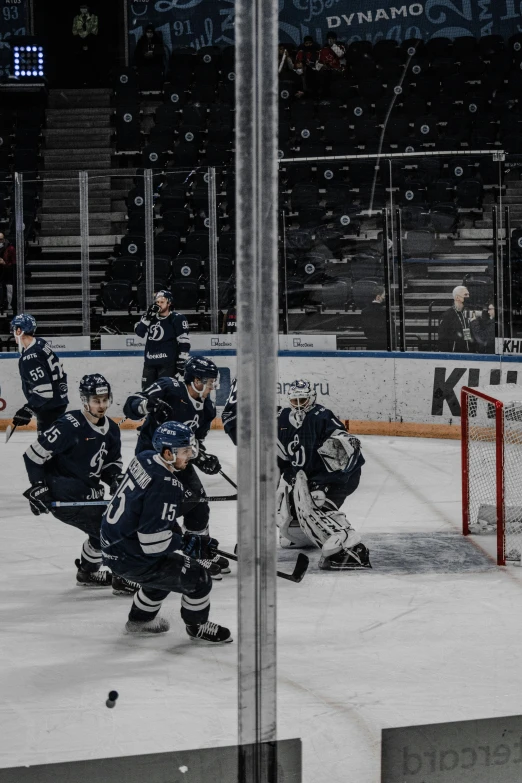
(227, 479)
(9, 431)
(81, 503)
(301, 564)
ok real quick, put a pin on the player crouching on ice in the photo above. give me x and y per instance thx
(68, 462)
(141, 539)
(320, 465)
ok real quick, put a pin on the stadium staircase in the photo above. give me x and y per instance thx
(77, 137)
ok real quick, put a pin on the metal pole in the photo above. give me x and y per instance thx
(400, 286)
(212, 250)
(284, 280)
(509, 286)
(84, 243)
(149, 234)
(497, 278)
(20, 241)
(256, 200)
(387, 277)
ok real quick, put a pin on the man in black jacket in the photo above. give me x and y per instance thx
(373, 322)
(454, 327)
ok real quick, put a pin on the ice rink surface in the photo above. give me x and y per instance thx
(431, 634)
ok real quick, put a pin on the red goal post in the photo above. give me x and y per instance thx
(491, 418)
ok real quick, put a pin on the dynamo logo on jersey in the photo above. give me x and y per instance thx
(156, 332)
(97, 461)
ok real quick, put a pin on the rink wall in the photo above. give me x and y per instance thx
(415, 394)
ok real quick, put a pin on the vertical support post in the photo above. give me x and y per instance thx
(149, 234)
(284, 279)
(498, 277)
(508, 279)
(400, 286)
(212, 250)
(501, 509)
(20, 242)
(464, 423)
(256, 199)
(84, 247)
(387, 277)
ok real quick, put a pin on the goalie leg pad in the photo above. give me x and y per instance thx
(347, 559)
(320, 524)
(290, 533)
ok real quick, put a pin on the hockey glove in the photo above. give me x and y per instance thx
(180, 366)
(115, 483)
(161, 410)
(22, 416)
(39, 498)
(199, 547)
(152, 311)
(207, 463)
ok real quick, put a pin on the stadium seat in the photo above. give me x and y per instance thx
(133, 245)
(167, 243)
(116, 296)
(126, 268)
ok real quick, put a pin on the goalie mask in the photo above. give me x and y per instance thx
(301, 398)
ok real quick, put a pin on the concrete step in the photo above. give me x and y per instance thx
(73, 217)
(79, 111)
(53, 231)
(79, 141)
(73, 240)
(69, 103)
(38, 277)
(99, 187)
(76, 164)
(66, 123)
(84, 153)
(53, 205)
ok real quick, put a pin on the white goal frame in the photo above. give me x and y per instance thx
(491, 420)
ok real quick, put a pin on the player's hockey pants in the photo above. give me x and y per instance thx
(195, 513)
(88, 520)
(339, 492)
(173, 573)
(151, 373)
(44, 419)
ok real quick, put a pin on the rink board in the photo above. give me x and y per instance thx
(470, 751)
(415, 394)
(206, 765)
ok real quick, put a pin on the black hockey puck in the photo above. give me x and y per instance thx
(111, 701)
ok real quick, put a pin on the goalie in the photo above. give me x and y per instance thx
(320, 467)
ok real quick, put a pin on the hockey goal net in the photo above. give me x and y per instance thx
(492, 465)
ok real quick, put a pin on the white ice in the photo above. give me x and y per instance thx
(431, 634)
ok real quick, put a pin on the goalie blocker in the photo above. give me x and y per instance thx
(321, 466)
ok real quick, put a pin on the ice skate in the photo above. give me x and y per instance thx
(157, 625)
(122, 586)
(94, 579)
(212, 567)
(347, 559)
(209, 632)
(223, 564)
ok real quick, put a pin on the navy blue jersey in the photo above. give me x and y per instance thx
(167, 338)
(44, 382)
(229, 416)
(139, 525)
(297, 446)
(196, 415)
(76, 450)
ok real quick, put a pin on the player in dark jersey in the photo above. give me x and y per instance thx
(229, 415)
(320, 465)
(167, 347)
(187, 402)
(141, 537)
(69, 461)
(44, 382)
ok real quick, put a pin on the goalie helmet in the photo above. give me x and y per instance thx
(301, 397)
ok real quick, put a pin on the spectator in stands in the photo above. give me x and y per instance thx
(306, 61)
(483, 330)
(454, 327)
(373, 322)
(332, 56)
(284, 61)
(85, 32)
(7, 272)
(149, 59)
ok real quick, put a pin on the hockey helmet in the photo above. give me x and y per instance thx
(94, 385)
(301, 396)
(172, 435)
(166, 294)
(25, 322)
(200, 367)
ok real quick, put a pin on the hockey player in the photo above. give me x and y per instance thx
(44, 382)
(187, 402)
(229, 415)
(167, 347)
(69, 461)
(141, 537)
(321, 466)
